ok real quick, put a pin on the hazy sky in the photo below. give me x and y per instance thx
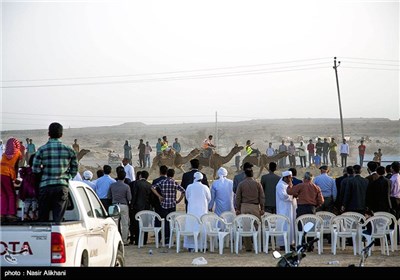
(92, 63)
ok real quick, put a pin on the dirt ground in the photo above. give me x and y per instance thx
(164, 257)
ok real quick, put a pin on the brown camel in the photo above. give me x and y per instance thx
(215, 161)
(175, 160)
(263, 160)
(81, 154)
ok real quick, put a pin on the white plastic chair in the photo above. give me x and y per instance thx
(187, 225)
(343, 227)
(272, 225)
(327, 217)
(228, 217)
(146, 219)
(317, 231)
(393, 231)
(360, 220)
(213, 228)
(247, 225)
(380, 227)
(171, 220)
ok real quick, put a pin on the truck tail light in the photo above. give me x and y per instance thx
(57, 248)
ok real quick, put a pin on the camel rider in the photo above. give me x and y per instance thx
(165, 148)
(208, 147)
(249, 150)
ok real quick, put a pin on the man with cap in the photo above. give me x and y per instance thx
(328, 188)
(87, 177)
(198, 196)
(286, 205)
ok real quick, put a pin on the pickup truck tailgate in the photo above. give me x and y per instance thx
(25, 246)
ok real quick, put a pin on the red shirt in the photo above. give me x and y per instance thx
(361, 150)
(310, 148)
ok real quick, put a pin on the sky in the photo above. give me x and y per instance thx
(95, 63)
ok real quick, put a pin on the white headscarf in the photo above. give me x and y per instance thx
(87, 175)
(197, 177)
(222, 173)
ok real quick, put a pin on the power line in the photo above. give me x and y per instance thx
(371, 68)
(168, 72)
(360, 58)
(204, 76)
(86, 116)
(396, 65)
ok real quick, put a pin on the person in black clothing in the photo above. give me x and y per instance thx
(378, 193)
(187, 177)
(132, 186)
(140, 201)
(355, 192)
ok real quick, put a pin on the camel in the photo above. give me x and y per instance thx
(81, 154)
(215, 161)
(176, 160)
(263, 160)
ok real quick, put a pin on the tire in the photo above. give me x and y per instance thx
(120, 260)
(84, 259)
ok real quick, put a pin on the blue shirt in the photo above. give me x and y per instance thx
(103, 185)
(327, 185)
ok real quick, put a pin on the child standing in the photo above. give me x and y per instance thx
(29, 191)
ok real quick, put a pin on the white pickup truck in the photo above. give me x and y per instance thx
(88, 236)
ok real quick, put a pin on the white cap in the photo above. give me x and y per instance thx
(198, 176)
(286, 173)
(222, 172)
(87, 175)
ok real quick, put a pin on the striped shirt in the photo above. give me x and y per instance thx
(57, 163)
(168, 188)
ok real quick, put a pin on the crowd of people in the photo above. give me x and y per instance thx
(46, 174)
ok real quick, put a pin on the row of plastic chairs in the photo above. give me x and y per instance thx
(271, 226)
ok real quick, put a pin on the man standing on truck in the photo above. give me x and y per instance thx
(55, 164)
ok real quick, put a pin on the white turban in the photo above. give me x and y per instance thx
(198, 176)
(87, 175)
(222, 172)
(286, 173)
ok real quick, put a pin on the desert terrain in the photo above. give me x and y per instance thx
(378, 133)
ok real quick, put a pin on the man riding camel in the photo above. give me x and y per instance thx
(166, 150)
(249, 150)
(208, 147)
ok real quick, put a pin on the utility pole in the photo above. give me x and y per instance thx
(335, 66)
(216, 131)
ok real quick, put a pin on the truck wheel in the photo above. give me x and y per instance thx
(84, 259)
(120, 260)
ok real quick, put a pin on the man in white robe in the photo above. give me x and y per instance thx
(198, 196)
(222, 193)
(286, 205)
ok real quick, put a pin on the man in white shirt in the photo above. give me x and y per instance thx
(270, 151)
(129, 170)
(344, 152)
